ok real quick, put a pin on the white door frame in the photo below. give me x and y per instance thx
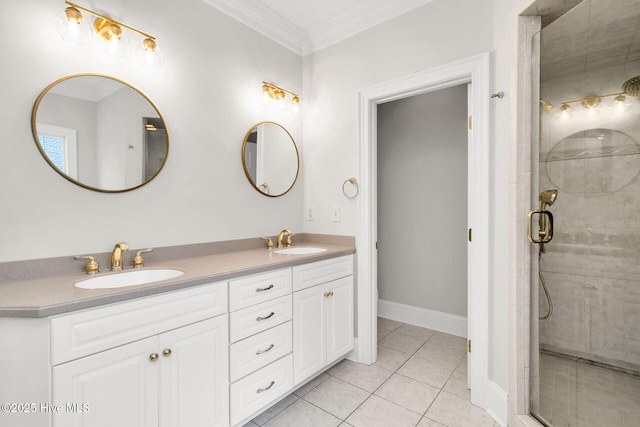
(474, 70)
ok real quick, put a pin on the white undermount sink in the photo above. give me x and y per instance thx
(302, 250)
(129, 278)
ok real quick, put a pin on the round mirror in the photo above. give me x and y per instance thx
(100, 133)
(593, 162)
(270, 159)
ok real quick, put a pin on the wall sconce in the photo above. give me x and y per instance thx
(107, 29)
(273, 93)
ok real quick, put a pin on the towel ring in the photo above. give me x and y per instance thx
(354, 185)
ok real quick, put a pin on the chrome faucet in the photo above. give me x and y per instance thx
(281, 242)
(116, 256)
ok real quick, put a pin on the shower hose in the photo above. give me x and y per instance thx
(544, 285)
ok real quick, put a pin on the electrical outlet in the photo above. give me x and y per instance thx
(308, 214)
(335, 214)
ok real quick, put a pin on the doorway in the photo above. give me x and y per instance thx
(422, 210)
(473, 70)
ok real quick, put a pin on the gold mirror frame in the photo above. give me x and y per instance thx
(244, 161)
(34, 130)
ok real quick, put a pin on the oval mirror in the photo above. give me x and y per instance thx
(270, 159)
(100, 132)
(594, 162)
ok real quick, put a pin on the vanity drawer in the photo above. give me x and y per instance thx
(259, 350)
(86, 332)
(260, 388)
(307, 275)
(251, 320)
(258, 288)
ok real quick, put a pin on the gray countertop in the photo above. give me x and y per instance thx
(48, 296)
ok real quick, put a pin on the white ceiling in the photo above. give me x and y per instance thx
(304, 26)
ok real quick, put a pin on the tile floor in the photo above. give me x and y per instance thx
(419, 380)
(579, 394)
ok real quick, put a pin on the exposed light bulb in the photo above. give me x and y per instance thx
(564, 111)
(619, 100)
(73, 15)
(296, 104)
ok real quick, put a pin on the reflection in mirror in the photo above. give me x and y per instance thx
(100, 133)
(594, 162)
(270, 159)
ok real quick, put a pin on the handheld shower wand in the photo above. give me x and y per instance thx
(545, 234)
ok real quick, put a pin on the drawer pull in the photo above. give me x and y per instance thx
(166, 352)
(260, 390)
(265, 350)
(258, 319)
(264, 289)
(153, 357)
(328, 294)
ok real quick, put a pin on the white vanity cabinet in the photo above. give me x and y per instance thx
(323, 315)
(260, 313)
(140, 365)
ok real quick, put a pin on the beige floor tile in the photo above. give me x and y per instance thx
(408, 393)
(275, 409)
(455, 411)
(427, 371)
(337, 397)
(303, 413)
(444, 355)
(403, 343)
(457, 383)
(310, 385)
(377, 412)
(382, 333)
(415, 331)
(390, 359)
(367, 377)
(388, 324)
(338, 367)
(426, 422)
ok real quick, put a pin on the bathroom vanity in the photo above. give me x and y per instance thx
(212, 348)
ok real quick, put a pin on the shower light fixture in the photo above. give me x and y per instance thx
(629, 88)
(108, 29)
(273, 93)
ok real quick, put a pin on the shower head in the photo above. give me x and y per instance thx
(547, 198)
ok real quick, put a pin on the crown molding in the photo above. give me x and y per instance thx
(356, 20)
(264, 20)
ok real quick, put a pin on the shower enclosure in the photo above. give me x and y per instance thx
(586, 353)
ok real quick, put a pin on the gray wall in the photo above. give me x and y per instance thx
(422, 201)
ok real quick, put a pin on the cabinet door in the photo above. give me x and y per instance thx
(308, 333)
(194, 386)
(339, 312)
(117, 387)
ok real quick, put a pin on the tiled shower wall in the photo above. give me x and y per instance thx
(591, 266)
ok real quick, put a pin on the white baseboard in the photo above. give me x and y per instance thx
(497, 403)
(431, 319)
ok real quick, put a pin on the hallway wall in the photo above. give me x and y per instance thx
(422, 201)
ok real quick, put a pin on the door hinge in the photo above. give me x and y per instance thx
(469, 346)
(470, 122)
(470, 234)
(376, 245)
